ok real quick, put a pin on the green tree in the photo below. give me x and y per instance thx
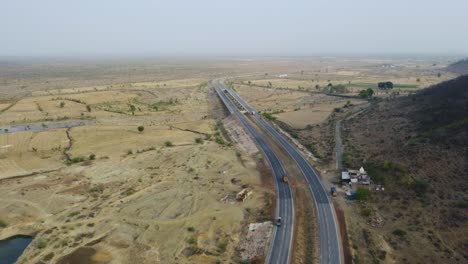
(88, 108)
(141, 128)
(370, 92)
(62, 104)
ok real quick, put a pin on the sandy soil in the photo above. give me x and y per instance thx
(139, 199)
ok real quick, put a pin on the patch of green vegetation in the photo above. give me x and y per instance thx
(220, 140)
(191, 241)
(168, 143)
(41, 244)
(222, 244)
(141, 128)
(3, 224)
(294, 134)
(199, 140)
(345, 159)
(362, 193)
(49, 256)
(368, 93)
(269, 116)
(375, 85)
(367, 211)
(462, 204)
(76, 160)
(191, 229)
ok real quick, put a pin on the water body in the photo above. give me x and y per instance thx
(12, 248)
(40, 127)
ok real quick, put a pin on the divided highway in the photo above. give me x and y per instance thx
(280, 250)
(329, 239)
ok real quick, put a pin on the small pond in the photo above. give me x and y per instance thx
(12, 248)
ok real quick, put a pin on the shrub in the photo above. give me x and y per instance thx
(399, 232)
(88, 108)
(294, 134)
(220, 140)
(386, 165)
(367, 211)
(141, 128)
(3, 224)
(168, 143)
(362, 193)
(199, 140)
(62, 104)
(92, 157)
(222, 244)
(41, 244)
(191, 229)
(191, 241)
(345, 159)
(462, 204)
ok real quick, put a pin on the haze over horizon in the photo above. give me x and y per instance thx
(209, 27)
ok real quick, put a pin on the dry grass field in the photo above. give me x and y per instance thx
(104, 192)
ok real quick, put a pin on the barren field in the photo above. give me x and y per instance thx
(166, 194)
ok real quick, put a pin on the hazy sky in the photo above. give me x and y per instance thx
(234, 27)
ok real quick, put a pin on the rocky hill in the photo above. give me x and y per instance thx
(417, 147)
(460, 67)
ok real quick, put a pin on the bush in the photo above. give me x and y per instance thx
(268, 116)
(294, 134)
(199, 140)
(3, 224)
(191, 241)
(345, 159)
(92, 157)
(459, 204)
(222, 244)
(62, 104)
(191, 229)
(141, 128)
(386, 165)
(367, 211)
(168, 143)
(41, 244)
(88, 108)
(220, 140)
(399, 232)
(362, 193)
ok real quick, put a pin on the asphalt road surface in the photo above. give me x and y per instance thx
(280, 250)
(330, 243)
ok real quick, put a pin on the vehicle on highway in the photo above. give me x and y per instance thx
(278, 221)
(285, 178)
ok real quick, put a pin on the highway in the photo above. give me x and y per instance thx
(329, 239)
(280, 249)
